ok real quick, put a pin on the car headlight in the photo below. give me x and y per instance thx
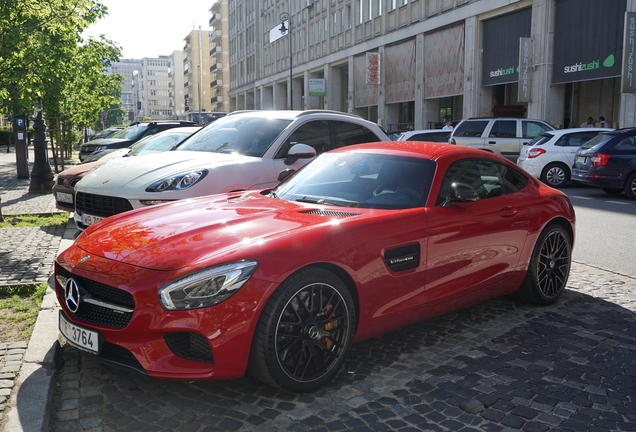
(98, 148)
(177, 182)
(207, 287)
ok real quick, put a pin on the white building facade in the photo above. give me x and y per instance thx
(416, 63)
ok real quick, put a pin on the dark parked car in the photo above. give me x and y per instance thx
(608, 161)
(105, 133)
(127, 137)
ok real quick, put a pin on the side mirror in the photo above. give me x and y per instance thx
(285, 173)
(299, 151)
(461, 192)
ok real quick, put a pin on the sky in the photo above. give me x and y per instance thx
(149, 28)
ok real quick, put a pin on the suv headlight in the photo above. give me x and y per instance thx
(178, 181)
(207, 287)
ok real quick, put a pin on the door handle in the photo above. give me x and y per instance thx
(508, 211)
(492, 142)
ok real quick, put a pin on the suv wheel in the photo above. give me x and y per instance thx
(555, 175)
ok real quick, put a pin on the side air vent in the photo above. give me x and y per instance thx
(403, 258)
(319, 212)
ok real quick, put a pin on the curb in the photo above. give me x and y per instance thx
(35, 385)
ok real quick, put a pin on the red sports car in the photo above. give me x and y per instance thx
(280, 283)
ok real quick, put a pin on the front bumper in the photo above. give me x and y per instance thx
(157, 342)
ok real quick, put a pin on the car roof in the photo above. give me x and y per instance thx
(575, 130)
(294, 114)
(417, 149)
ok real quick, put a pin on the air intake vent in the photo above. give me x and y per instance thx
(319, 212)
(403, 258)
(191, 346)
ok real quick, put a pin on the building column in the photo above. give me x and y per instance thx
(547, 101)
(627, 115)
(381, 89)
(421, 113)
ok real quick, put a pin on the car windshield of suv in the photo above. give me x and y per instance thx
(598, 140)
(249, 136)
(156, 144)
(361, 180)
(131, 132)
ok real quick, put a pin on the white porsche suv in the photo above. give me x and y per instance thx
(244, 150)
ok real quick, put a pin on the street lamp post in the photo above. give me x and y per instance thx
(286, 17)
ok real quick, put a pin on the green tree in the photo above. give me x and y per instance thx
(35, 37)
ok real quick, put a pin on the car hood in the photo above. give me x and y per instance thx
(78, 169)
(138, 172)
(202, 231)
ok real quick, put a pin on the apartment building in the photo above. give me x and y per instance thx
(417, 63)
(219, 57)
(126, 67)
(196, 75)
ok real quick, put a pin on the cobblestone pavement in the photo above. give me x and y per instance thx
(10, 362)
(495, 366)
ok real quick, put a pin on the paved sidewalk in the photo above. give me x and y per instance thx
(27, 370)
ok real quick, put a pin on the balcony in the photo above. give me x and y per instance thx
(215, 67)
(217, 100)
(212, 19)
(216, 83)
(213, 51)
(185, 84)
(216, 35)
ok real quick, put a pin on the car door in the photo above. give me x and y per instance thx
(473, 245)
(502, 138)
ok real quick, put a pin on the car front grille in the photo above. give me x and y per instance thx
(100, 205)
(101, 314)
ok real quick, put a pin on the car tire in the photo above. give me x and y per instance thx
(555, 175)
(612, 191)
(549, 267)
(304, 332)
(630, 186)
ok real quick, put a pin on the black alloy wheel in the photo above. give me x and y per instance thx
(549, 267)
(304, 332)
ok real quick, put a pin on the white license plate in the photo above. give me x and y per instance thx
(79, 336)
(581, 159)
(65, 197)
(88, 219)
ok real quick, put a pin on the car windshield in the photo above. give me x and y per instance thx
(598, 140)
(131, 132)
(250, 136)
(157, 143)
(361, 180)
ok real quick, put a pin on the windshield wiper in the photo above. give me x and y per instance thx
(310, 200)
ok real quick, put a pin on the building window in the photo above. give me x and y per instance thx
(380, 7)
(360, 14)
(370, 11)
(393, 4)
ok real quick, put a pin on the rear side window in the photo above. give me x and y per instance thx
(598, 140)
(541, 139)
(433, 137)
(504, 129)
(530, 129)
(489, 179)
(473, 128)
(628, 143)
(350, 133)
(576, 139)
